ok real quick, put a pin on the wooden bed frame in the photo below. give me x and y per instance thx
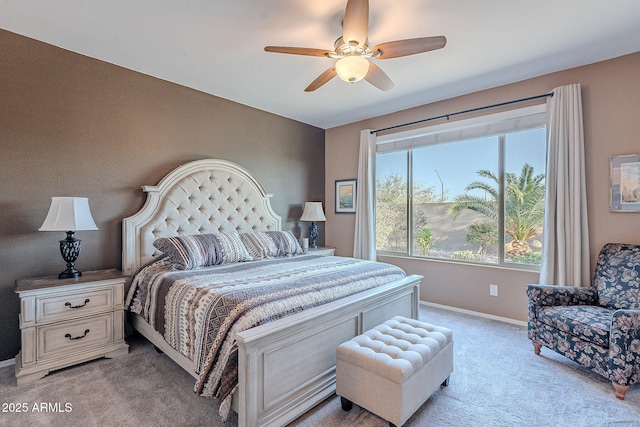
(286, 366)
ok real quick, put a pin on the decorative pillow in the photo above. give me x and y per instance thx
(203, 250)
(271, 244)
(286, 243)
(259, 245)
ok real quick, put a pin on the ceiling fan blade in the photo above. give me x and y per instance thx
(321, 79)
(356, 22)
(409, 47)
(378, 78)
(309, 51)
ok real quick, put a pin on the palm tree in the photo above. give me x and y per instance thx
(524, 205)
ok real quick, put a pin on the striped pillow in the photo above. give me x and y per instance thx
(259, 245)
(271, 244)
(286, 243)
(203, 250)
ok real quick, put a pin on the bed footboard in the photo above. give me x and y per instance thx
(288, 366)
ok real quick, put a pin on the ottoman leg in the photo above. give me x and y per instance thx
(445, 383)
(346, 404)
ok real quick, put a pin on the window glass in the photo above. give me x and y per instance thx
(459, 200)
(453, 204)
(391, 202)
(525, 163)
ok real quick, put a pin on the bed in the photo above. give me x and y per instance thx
(284, 366)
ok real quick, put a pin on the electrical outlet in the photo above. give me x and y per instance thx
(493, 290)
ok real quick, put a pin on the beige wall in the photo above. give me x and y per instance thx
(74, 126)
(611, 106)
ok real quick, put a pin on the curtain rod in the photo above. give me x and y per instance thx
(464, 112)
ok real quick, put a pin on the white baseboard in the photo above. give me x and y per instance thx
(475, 313)
(8, 362)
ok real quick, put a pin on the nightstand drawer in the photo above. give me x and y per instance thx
(71, 337)
(73, 304)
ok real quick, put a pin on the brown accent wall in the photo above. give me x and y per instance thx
(611, 106)
(75, 126)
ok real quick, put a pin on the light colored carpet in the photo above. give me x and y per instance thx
(497, 381)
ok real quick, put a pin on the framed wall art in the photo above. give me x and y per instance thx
(624, 185)
(346, 196)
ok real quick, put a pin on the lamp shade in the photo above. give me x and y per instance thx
(69, 214)
(352, 68)
(313, 212)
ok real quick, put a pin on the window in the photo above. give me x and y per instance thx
(455, 191)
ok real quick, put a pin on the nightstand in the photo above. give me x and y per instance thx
(321, 250)
(69, 321)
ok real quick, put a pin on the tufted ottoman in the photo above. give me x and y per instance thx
(392, 369)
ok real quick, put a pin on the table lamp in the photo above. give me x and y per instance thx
(69, 214)
(313, 212)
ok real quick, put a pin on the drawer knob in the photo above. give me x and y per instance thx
(68, 304)
(86, 331)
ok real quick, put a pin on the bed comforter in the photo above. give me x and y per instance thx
(198, 312)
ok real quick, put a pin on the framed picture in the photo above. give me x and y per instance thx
(346, 196)
(624, 186)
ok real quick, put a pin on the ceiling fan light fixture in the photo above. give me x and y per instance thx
(352, 68)
(352, 50)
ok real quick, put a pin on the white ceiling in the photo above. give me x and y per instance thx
(216, 46)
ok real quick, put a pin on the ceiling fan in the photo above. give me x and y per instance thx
(353, 50)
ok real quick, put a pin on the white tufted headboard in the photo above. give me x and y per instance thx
(204, 196)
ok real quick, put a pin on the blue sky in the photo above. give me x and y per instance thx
(457, 163)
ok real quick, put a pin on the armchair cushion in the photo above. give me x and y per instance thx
(587, 322)
(617, 276)
(542, 296)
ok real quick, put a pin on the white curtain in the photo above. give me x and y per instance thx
(364, 243)
(566, 259)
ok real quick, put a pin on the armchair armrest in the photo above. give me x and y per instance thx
(624, 348)
(552, 295)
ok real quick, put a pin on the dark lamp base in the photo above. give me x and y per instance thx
(70, 249)
(313, 235)
(67, 274)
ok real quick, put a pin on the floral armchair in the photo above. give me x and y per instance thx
(596, 326)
